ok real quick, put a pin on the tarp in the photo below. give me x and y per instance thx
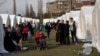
(6, 19)
(2, 34)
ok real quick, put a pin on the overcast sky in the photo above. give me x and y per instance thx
(7, 5)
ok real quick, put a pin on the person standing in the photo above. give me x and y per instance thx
(67, 33)
(8, 44)
(62, 35)
(24, 32)
(30, 31)
(73, 29)
(57, 29)
(48, 29)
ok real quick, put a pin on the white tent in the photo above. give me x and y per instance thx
(37, 20)
(59, 18)
(33, 20)
(6, 19)
(67, 16)
(23, 20)
(86, 22)
(13, 20)
(18, 19)
(55, 20)
(64, 17)
(75, 15)
(28, 19)
(2, 49)
(51, 19)
(96, 25)
(46, 20)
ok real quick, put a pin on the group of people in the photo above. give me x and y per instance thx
(14, 36)
(64, 30)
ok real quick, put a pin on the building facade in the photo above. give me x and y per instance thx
(63, 6)
(79, 3)
(60, 6)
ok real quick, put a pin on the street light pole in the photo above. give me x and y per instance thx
(14, 8)
(40, 7)
(71, 5)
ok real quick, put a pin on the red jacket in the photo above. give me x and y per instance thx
(24, 30)
(39, 35)
(43, 35)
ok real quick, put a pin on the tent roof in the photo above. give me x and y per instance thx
(74, 13)
(97, 1)
(5, 18)
(13, 20)
(18, 19)
(87, 9)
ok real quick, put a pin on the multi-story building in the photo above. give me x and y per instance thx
(63, 6)
(60, 6)
(80, 3)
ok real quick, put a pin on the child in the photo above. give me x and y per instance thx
(40, 40)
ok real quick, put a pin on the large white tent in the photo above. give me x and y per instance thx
(13, 20)
(96, 25)
(2, 34)
(86, 22)
(6, 19)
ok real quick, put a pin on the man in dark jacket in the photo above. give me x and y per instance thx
(62, 34)
(48, 29)
(67, 32)
(57, 29)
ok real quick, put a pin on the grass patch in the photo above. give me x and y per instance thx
(53, 49)
(95, 52)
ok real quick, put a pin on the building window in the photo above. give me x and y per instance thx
(65, 4)
(60, 2)
(79, 1)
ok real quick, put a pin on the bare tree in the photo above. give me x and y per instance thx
(27, 12)
(32, 13)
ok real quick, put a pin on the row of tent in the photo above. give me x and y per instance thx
(13, 20)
